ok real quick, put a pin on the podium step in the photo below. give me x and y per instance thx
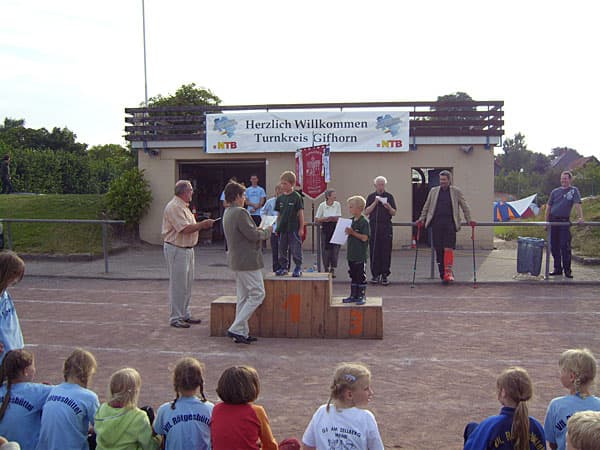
(302, 307)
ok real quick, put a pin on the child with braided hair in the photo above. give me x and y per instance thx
(513, 428)
(21, 400)
(577, 372)
(344, 422)
(185, 422)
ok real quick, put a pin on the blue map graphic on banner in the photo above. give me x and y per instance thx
(225, 126)
(389, 124)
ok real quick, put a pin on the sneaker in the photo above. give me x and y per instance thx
(360, 301)
(374, 280)
(349, 300)
(384, 280)
(180, 324)
(297, 272)
(192, 320)
(281, 272)
(251, 339)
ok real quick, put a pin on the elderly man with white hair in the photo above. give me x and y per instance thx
(381, 207)
(180, 236)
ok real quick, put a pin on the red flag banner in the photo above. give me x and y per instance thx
(310, 170)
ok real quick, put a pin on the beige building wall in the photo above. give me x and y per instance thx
(351, 173)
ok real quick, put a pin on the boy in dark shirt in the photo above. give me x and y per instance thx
(358, 250)
(290, 224)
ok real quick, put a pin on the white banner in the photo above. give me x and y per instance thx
(352, 131)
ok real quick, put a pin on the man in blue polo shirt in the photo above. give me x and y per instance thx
(255, 199)
(559, 207)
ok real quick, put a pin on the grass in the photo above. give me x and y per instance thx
(586, 239)
(53, 238)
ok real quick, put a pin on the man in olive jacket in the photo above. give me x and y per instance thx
(244, 257)
(441, 212)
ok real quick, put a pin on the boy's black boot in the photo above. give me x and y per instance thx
(353, 294)
(361, 296)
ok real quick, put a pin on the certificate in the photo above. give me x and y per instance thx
(339, 234)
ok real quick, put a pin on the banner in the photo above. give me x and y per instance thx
(311, 168)
(285, 131)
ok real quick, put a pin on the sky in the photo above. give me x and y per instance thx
(78, 64)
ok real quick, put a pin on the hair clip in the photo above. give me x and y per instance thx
(349, 378)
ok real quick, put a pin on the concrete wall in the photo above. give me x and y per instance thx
(351, 173)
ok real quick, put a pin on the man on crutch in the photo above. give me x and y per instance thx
(441, 213)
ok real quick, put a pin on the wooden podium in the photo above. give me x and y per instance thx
(303, 308)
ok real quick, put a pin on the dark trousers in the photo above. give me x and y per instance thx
(380, 249)
(275, 251)
(357, 272)
(290, 243)
(560, 245)
(443, 233)
(257, 219)
(7, 186)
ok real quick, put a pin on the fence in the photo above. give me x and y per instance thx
(104, 223)
(479, 224)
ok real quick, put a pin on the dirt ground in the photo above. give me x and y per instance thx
(434, 370)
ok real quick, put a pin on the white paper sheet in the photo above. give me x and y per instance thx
(267, 221)
(383, 200)
(339, 234)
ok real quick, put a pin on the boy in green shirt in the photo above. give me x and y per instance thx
(290, 224)
(358, 250)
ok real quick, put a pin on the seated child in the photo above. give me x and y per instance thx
(236, 422)
(584, 431)
(577, 373)
(119, 423)
(188, 382)
(350, 394)
(12, 269)
(21, 399)
(70, 408)
(513, 428)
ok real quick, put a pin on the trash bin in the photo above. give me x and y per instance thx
(529, 255)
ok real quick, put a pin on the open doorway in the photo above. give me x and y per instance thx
(423, 179)
(209, 179)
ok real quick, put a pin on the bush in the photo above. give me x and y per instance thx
(129, 198)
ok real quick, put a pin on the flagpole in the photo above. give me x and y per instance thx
(144, 39)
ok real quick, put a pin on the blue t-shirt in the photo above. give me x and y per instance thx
(186, 426)
(11, 335)
(495, 433)
(23, 417)
(67, 415)
(559, 411)
(255, 195)
(561, 201)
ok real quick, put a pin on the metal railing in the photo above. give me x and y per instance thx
(464, 224)
(104, 223)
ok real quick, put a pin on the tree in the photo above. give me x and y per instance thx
(186, 95)
(14, 134)
(129, 198)
(447, 103)
(517, 156)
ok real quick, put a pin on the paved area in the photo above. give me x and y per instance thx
(433, 371)
(146, 262)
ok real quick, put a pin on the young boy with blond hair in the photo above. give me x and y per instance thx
(358, 250)
(584, 431)
(290, 224)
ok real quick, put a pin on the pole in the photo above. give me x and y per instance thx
(105, 246)
(144, 38)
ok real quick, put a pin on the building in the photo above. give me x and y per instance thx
(458, 136)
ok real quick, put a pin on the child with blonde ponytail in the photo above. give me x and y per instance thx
(577, 372)
(513, 428)
(344, 422)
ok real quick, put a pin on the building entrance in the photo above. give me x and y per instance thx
(209, 179)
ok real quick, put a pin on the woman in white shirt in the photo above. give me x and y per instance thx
(327, 215)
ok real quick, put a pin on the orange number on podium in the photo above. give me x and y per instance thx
(292, 304)
(356, 322)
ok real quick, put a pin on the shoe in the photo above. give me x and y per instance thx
(555, 273)
(192, 320)
(332, 272)
(568, 274)
(251, 339)
(384, 281)
(297, 272)
(238, 338)
(360, 301)
(180, 324)
(374, 280)
(281, 272)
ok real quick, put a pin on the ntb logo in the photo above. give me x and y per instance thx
(225, 145)
(391, 143)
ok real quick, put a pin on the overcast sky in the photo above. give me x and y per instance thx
(78, 64)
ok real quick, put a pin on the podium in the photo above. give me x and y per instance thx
(303, 307)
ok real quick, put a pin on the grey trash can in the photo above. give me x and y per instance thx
(529, 255)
